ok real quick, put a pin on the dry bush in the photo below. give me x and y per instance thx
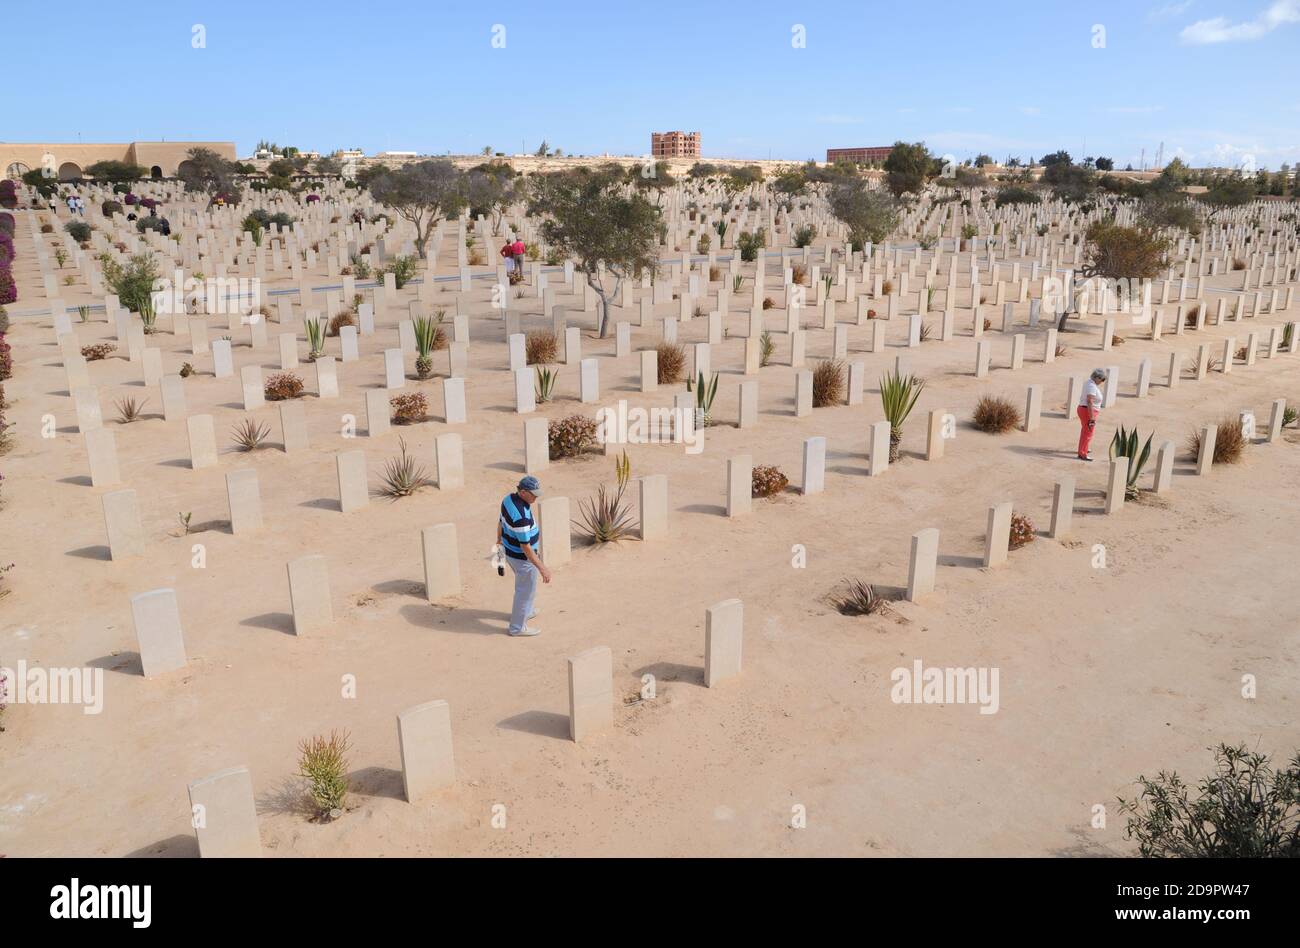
(799, 274)
(1241, 354)
(96, 352)
(988, 324)
(672, 362)
(570, 436)
(1189, 318)
(768, 481)
(339, 320)
(1022, 531)
(996, 415)
(715, 274)
(871, 314)
(828, 383)
(323, 762)
(887, 288)
(540, 347)
(1229, 442)
(1116, 339)
(409, 409)
(282, 386)
(1061, 350)
(1238, 263)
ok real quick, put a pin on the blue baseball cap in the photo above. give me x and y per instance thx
(531, 484)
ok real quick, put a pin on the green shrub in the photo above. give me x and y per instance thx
(79, 230)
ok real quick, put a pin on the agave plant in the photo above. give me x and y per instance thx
(426, 340)
(898, 396)
(130, 409)
(606, 518)
(704, 395)
(249, 434)
(737, 282)
(545, 383)
(1125, 445)
(148, 316)
(402, 476)
(315, 337)
(83, 312)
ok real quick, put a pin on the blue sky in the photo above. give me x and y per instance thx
(1209, 78)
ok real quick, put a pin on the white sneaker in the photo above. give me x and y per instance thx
(526, 632)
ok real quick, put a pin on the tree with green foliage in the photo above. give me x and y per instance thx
(870, 215)
(590, 219)
(490, 189)
(907, 168)
(658, 180)
(116, 171)
(1233, 191)
(422, 193)
(204, 170)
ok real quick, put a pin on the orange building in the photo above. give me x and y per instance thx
(675, 144)
(69, 160)
(860, 156)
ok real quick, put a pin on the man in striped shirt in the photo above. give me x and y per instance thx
(517, 535)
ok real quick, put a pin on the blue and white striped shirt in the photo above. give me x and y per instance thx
(517, 526)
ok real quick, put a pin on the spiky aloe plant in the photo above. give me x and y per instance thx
(737, 282)
(898, 396)
(1125, 445)
(315, 337)
(426, 338)
(607, 518)
(545, 384)
(148, 316)
(704, 395)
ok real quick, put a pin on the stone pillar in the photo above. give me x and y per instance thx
(814, 465)
(803, 393)
(309, 595)
(878, 462)
(441, 562)
(1205, 458)
(226, 815)
(1165, 467)
(203, 441)
(724, 631)
(101, 450)
(591, 693)
(454, 410)
(353, 490)
(122, 523)
(1062, 508)
(1116, 484)
(740, 485)
(450, 461)
(1275, 419)
(983, 353)
(653, 492)
(424, 737)
(997, 536)
(748, 403)
(1033, 407)
(158, 632)
(245, 501)
(922, 563)
(589, 381)
(553, 522)
(934, 436)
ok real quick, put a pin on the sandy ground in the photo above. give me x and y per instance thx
(1104, 673)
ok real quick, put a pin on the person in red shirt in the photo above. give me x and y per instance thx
(518, 249)
(508, 254)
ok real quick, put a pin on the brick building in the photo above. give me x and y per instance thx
(675, 144)
(861, 156)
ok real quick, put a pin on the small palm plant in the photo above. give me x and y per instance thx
(427, 332)
(705, 392)
(737, 282)
(1125, 445)
(898, 396)
(766, 348)
(827, 282)
(545, 383)
(607, 518)
(315, 338)
(83, 312)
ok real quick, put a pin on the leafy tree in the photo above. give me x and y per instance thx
(792, 181)
(1014, 194)
(871, 216)
(370, 173)
(740, 178)
(133, 283)
(1105, 164)
(702, 169)
(907, 168)
(1069, 182)
(422, 193)
(1163, 209)
(1061, 157)
(116, 171)
(1229, 192)
(543, 149)
(658, 181)
(327, 165)
(1245, 809)
(982, 160)
(1123, 253)
(490, 189)
(204, 170)
(591, 219)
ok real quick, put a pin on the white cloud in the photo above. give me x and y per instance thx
(1222, 30)
(1170, 10)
